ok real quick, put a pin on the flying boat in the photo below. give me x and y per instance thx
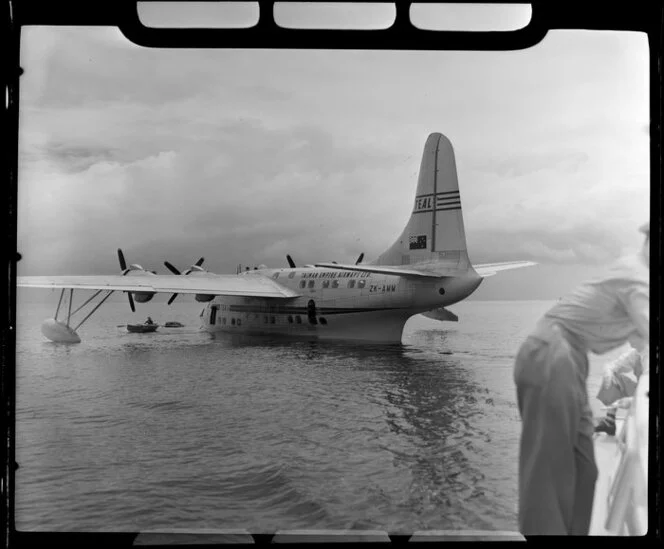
(424, 271)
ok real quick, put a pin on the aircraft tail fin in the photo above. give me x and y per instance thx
(434, 237)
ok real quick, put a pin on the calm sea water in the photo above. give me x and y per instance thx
(182, 429)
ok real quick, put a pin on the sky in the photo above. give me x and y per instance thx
(244, 156)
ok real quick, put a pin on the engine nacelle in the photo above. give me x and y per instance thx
(204, 298)
(143, 297)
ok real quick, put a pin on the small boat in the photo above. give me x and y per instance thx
(173, 324)
(142, 328)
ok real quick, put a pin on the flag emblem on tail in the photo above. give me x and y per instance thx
(417, 242)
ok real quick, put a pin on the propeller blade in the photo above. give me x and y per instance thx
(131, 302)
(200, 262)
(172, 298)
(359, 259)
(171, 268)
(123, 263)
(290, 261)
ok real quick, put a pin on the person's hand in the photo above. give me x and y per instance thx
(623, 403)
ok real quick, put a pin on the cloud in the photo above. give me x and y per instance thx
(577, 245)
(78, 158)
(299, 185)
(244, 156)
(559, 205)
(568, 161)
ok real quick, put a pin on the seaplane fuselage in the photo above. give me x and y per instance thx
(336, 304)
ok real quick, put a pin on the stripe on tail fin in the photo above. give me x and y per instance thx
(434, 235)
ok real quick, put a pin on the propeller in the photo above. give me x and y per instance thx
(290, 261)
(195, 267)
(171, 268)
(123, 266)
(359, 260)
(123, 263)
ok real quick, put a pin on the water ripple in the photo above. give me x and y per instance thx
(189, 430)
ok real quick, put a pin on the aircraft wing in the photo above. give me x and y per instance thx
(208, 283)
(490, 269)
(397, 271)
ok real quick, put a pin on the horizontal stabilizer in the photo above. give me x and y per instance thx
(396, 271)
(490, 269)
(442, 314)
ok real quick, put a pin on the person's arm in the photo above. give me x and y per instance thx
(636, 300)
(625, 363)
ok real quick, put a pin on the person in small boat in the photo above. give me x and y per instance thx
(149, 321)
(557, 469)
(620, 380)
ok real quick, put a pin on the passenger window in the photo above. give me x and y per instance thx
(239, 321)
(291, 275)
(335, 283)
(298, 319)
(351, 284)
(290, 319)
(312, 283)
(361, 283)
(326, 283)
(265, 319)
(233, 321)
(275, 275)
(223, 320)
(272, 320)
(303, 283)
